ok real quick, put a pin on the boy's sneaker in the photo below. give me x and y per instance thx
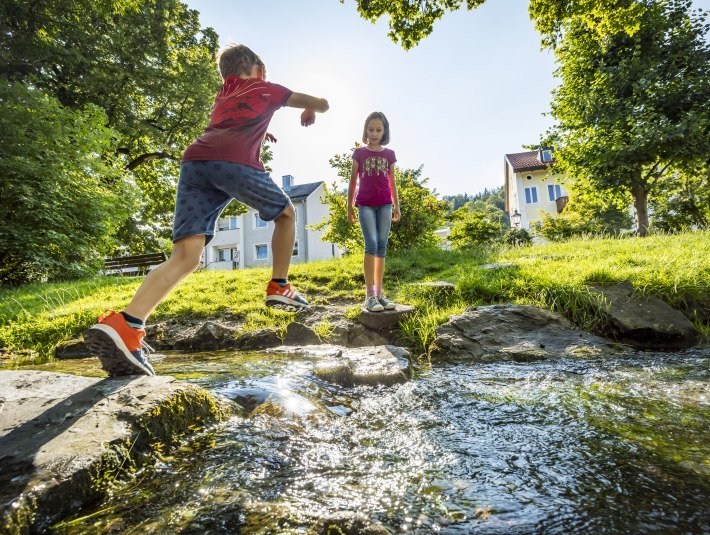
(119, 346)
(372, 304)
(277, 295)
(386, 303)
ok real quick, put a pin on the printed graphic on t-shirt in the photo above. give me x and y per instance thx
(239, 104)
(376, 165)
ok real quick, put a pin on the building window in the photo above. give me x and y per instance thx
(546, 155)
(554, 191)
(258, 222)
(529, 177)
(228, 223)
(295, 249)
(531, 195)
(262, 253)
(226, 255)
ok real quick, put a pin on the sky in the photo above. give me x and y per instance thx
(474, 90)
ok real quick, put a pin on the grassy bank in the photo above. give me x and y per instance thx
(675, 268)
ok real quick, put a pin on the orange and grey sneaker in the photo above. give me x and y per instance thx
(119, 346)
(277, 295)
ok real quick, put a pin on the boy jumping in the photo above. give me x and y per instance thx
(222, 164)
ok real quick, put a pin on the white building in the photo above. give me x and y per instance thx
(245, 241)
(530, 188)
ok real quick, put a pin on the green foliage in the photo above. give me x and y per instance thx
(517, 237)
(473, 227)
(422, 212)
(631, 107)
(682, 200)
(60, 201)
(410, 22)
(587, 214)
(146, 63)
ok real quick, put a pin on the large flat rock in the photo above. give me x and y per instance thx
(64, 437)
(644, 321)
(511, 332)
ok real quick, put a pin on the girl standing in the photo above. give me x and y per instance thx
(377, 203)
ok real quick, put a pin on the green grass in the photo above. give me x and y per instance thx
(675, 268)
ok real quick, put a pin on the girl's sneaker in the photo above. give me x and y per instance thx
(119, 346)
(277, 295)
(372, 304)
(386, 303)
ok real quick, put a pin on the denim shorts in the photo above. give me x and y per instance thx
(206, 187)
(375, 222)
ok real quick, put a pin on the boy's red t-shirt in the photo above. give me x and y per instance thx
(240, 117)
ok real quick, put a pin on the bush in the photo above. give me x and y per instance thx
(517, 237)
(60, 201)
(473, 228)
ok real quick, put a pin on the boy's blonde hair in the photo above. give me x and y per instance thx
(236, 60)
(385, 135)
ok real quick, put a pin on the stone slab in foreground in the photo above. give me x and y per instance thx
(512, 332)
(63, 437)
(349, 366)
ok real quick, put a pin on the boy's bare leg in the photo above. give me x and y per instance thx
(184, 259)
(282, 242)
(379, 271)
(369, 267)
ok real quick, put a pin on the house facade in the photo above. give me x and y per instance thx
(530, 188)
(245, 241)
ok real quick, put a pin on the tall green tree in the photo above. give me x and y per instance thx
(146, 63)
(422, 212)
(630, 108)
(59, 198)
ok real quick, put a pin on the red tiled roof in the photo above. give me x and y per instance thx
(525, 161)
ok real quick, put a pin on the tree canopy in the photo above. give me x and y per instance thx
(631, 108)
(146, 63)
(410, 21)
(60, 201)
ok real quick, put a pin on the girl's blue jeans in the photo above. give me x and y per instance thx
(375, 222)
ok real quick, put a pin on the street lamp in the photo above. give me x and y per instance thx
(515, 219)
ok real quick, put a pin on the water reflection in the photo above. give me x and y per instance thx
(572, 446)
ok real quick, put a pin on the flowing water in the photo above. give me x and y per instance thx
(572, 446)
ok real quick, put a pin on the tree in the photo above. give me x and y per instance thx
(59, 199)
(629, 108)
(146, 63)
(422, 212)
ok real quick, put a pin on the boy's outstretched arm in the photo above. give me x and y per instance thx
(310, 106)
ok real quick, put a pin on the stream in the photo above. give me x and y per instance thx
(571, 446)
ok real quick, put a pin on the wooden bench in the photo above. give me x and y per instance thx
(133, 265)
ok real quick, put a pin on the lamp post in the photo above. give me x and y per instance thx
(515, 219)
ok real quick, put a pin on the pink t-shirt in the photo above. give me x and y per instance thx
(240, 116)
(373, 171)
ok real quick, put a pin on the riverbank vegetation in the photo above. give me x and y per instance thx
(675, 268)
